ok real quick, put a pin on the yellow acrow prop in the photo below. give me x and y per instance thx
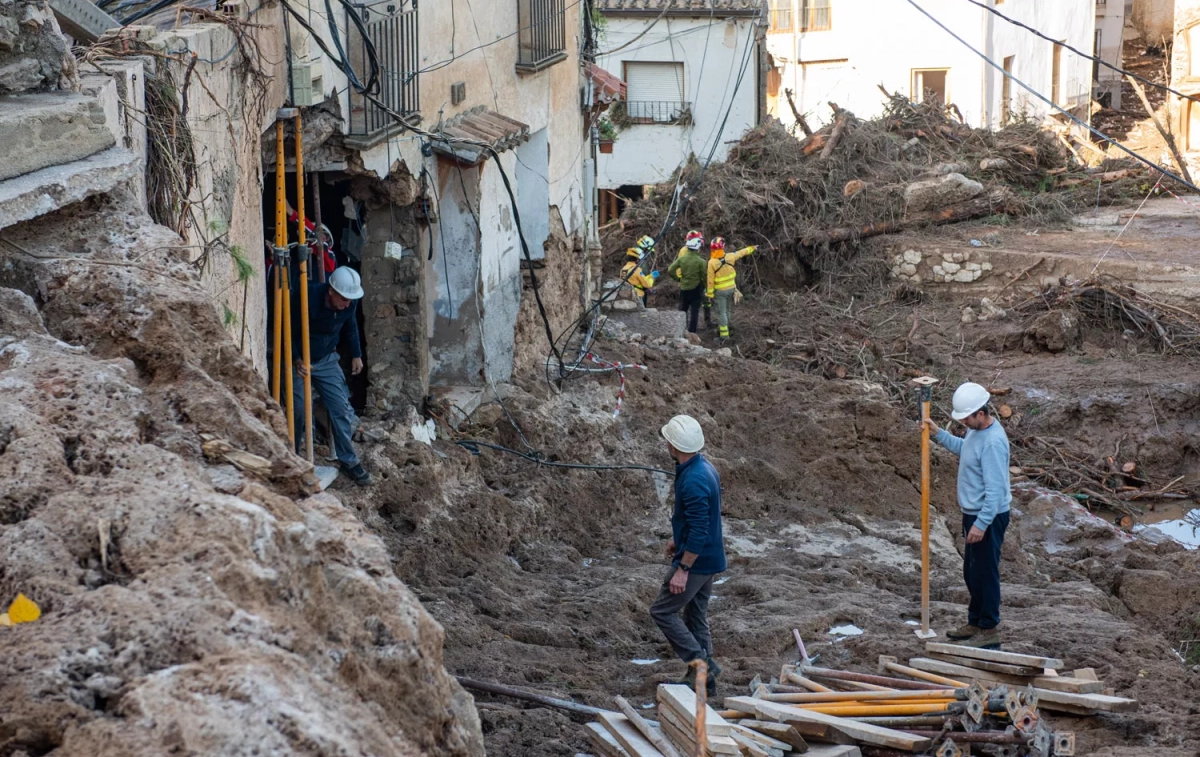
(277, 360)
(305, 354)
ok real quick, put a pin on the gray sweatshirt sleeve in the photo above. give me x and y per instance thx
(949, 441)
(993, 458)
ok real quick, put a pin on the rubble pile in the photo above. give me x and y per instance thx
(916, 165)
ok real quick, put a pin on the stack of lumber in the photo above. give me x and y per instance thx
(1078, 693)
(628, 734)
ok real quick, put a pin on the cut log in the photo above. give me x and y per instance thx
(653, 736)
(629, 737)
(861, 732)
(999, 200)
(1006, 412)
(993, 655)
(778, 731)
(814, 143)
(603, 742)
(683, 701)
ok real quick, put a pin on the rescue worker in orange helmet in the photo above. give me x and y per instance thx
(722, 283)
(631, 272)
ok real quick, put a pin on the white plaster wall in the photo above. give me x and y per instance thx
(881, 42)
(712, 51)
(500, 258)
(1110, 22)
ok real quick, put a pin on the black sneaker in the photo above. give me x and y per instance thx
(358, 474)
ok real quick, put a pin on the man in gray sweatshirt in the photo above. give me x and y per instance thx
(984, 495)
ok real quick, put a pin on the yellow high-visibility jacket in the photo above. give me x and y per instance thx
(721, 273)
(638, 280)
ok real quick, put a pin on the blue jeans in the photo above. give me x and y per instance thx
(330, 382)
(981, 571)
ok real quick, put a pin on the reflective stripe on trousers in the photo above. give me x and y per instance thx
(723, 304)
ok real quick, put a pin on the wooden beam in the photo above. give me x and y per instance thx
(779, 731)
(603, 742)
(1047, 698)
(995, 655)
(683, 700)
(762, 739)
(861, 732)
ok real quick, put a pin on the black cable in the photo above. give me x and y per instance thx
(1093, 58)
(472, 446)
(1055, 105)
(340, 61)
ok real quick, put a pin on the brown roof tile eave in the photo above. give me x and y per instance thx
(680, 7)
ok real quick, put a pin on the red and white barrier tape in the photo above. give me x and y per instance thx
(619, 369)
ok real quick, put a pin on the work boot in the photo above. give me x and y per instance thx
(987, 638)
(963, 632)
(714, 672)
(358, 474)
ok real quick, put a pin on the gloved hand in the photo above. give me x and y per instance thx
(654, 274)
(750, 250)
(737, 296)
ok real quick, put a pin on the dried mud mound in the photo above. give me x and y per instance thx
(187, 608)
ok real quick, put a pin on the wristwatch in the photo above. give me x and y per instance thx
(684, 568)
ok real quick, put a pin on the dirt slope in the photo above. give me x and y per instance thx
(226, 615)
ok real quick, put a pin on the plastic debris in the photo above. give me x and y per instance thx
(23, 610)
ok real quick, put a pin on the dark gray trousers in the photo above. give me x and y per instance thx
(688, 635)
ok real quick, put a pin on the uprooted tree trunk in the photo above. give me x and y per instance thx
(999, 200)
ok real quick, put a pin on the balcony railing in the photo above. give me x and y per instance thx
(781, 19)
(542, 34)
(394, 37)
(628, 113)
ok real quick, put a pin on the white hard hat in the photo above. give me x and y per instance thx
(695, 244)
(684, 434)
(346, 282)
(968, 399)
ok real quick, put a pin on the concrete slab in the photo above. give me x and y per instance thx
(48, 129)
(651, 323)
(45, 191)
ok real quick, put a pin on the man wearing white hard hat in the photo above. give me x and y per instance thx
(984, 495)
(332, 317)
(697, 550)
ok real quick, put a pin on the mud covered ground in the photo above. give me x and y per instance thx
(541, 577)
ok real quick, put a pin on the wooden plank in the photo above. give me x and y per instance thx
(993, 655)
(628, 736)
(780, 731)
(686, 742)
(1046, 697)
(862, 732)
(652, 734)
(716, 744)
(684, 700)
(962, 671)
(763, 740)
(1087, 674)
(1068, 684)
(603, 742)
(994, 667)
(750, 747)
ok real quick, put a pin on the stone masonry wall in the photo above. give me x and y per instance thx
(33, 52)
(393, 308)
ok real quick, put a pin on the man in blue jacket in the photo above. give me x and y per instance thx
(331, 318)
(697, 550)
(984, 495)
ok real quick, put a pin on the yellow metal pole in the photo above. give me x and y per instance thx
(305, 353)
(924, 517)
(280, 242)
(870, 710)
(290, 401)
(925, 386)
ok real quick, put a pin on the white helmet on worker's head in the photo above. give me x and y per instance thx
(969, 398)
(684, 434)
(346, 282)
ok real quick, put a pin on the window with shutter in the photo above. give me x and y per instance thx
(655, 92)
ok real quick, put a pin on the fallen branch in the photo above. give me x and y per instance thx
(839, 128)
(800, 120)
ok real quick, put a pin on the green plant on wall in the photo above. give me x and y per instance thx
(607, 129)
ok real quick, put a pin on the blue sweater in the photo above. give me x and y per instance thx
(326, 326)
(983, 485)
(696, 521)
